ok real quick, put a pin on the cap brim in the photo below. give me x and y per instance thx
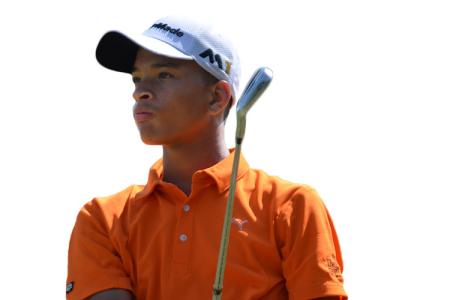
(117, 51)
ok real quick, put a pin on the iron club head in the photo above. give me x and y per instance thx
(254, 89)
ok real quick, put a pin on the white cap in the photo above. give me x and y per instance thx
(175, 37)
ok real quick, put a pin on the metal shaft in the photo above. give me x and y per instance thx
(254, 89)
(220, 271)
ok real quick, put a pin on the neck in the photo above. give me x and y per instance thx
(180, 162)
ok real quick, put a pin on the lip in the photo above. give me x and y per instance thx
(143, 116)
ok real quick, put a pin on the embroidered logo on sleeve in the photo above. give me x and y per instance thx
(333, 267)
(69, 287)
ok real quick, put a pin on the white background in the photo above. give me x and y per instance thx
(358, 109)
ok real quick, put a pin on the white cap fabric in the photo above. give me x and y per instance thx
(175, 37)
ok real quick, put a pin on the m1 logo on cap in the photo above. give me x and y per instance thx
(208, 53)
(171, 30)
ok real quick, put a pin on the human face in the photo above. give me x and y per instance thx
(172, 99)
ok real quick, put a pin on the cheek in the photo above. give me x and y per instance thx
(187, 101)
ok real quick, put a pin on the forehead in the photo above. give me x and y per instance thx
(146, 59)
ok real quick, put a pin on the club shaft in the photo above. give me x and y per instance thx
(254, 89)
(221, 261)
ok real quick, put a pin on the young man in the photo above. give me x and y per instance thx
(161, 240)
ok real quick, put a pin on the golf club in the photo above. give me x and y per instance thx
(254, 89)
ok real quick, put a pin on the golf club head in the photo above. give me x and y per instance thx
(254, 89)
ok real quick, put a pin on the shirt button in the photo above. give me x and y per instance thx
(186, 207)
(183, 237)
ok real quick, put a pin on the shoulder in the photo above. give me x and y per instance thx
(284, 190)
(106, 209)
(287, 198)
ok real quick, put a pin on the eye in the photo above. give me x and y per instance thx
(165, 75)
(135, 79)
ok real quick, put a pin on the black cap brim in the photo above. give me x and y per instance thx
(117, 52)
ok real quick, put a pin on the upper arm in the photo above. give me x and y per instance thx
(113, 294)
(310, 249)
(94, 261)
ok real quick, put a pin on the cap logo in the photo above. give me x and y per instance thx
(216, 58)
(171, 30)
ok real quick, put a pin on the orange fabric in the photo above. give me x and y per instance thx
(161, 244)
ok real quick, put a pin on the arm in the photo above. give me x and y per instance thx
(94, 261)
(113, 294)
(309, 246)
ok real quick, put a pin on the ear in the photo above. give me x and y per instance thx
(221, 96)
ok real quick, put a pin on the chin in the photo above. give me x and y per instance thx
(149, 138)
(150, 141)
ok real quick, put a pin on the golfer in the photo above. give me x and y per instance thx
(161, 241)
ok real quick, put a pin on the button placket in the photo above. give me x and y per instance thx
(183, 244)
(183, 237)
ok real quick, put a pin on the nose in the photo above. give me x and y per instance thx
(141, 93)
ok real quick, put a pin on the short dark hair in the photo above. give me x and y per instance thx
(210, 80)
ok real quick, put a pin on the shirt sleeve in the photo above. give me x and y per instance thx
(94, 263)
(312, 261)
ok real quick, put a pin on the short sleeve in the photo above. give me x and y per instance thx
(94, 263)
(312, 261)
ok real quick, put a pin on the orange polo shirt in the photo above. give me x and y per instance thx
(161, 244)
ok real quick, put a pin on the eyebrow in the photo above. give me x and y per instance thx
(160, 65)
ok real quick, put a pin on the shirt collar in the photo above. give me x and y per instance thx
(219, 173)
